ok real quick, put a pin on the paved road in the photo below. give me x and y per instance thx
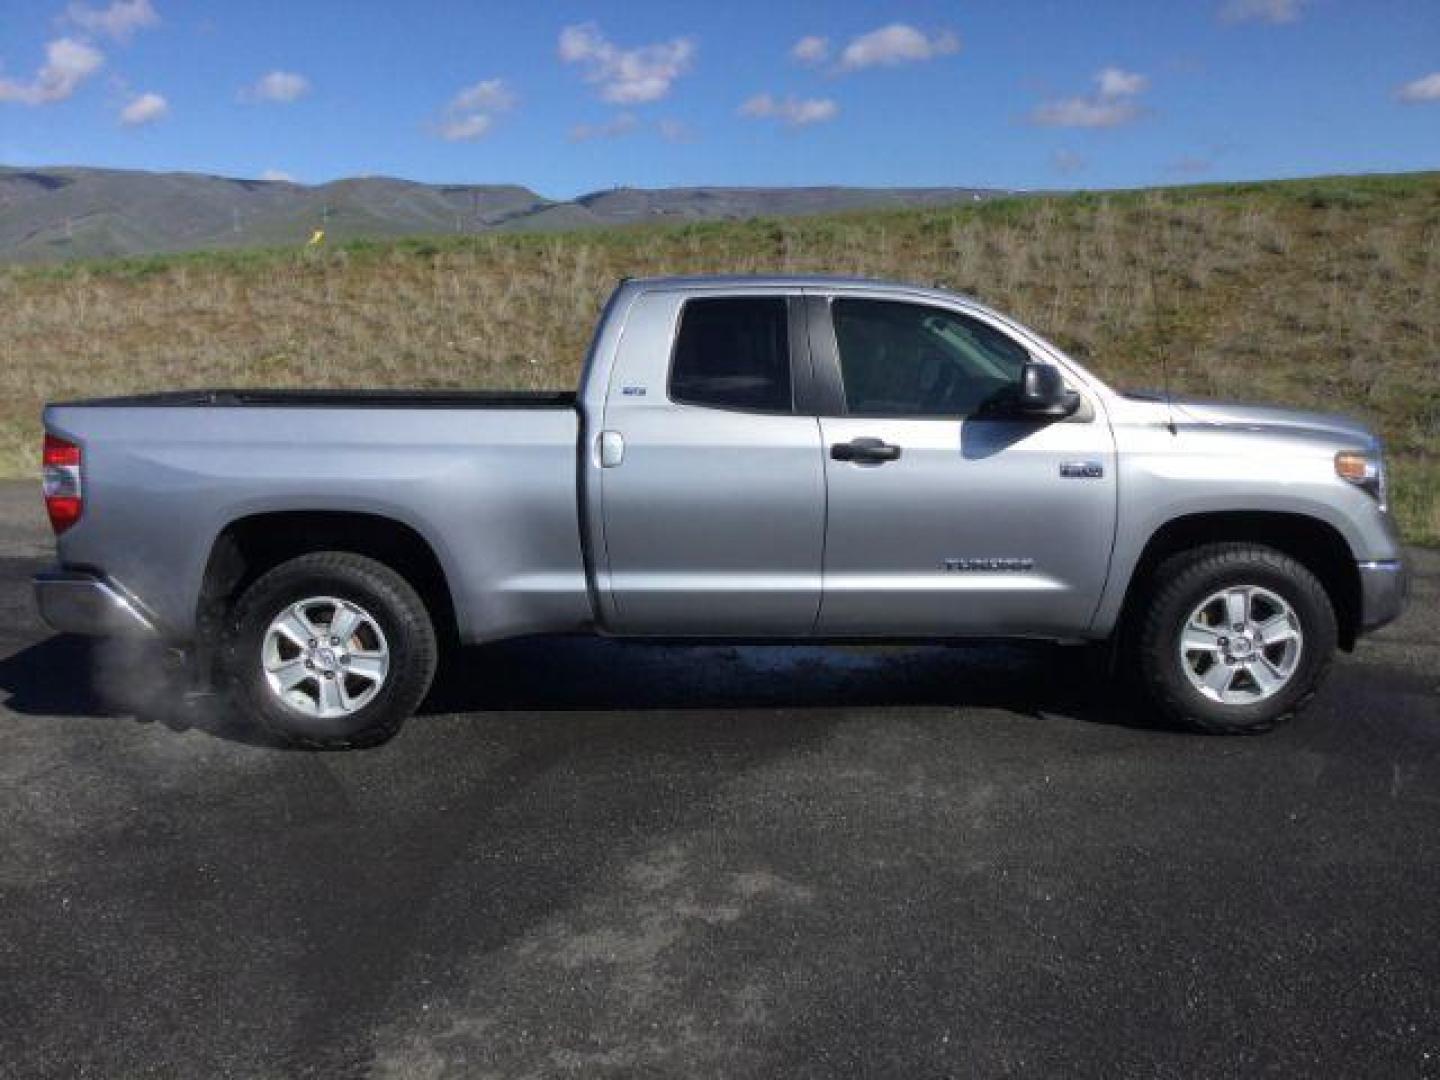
(593, 859)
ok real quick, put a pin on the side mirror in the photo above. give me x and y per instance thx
(1043, 393)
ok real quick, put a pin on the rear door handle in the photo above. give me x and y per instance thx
(865, 449)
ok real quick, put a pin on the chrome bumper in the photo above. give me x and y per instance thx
(1384, 589)
(79, 603)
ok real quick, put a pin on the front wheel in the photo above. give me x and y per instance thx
(330, 650)
(1235, 638)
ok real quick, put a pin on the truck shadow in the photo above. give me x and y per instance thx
(68, 676)
(542, 674)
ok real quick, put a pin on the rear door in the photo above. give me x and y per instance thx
(712, 484)
(945, 517)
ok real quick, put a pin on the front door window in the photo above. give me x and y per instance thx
(900, 359)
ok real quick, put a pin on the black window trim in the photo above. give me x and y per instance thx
(802, 374)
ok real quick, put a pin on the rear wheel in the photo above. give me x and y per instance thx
(1235, 638)
(330, 650)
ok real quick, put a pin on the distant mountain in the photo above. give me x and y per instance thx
(728, 203)
(50, 214)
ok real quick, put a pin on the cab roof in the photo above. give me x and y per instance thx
(793, 281)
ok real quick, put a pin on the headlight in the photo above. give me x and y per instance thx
(1364, 469)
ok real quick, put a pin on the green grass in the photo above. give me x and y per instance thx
(1321, 293)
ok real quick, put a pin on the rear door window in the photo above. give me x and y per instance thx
(733, 353)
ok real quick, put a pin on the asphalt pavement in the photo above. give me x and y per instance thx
(595, 859)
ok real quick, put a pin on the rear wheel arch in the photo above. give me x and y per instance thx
(247, 547)
(1315, 544)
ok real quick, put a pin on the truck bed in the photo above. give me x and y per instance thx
(338, 399)
(487, 480)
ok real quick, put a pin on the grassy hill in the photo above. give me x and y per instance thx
(1321, 293)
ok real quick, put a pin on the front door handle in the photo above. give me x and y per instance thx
(865, 450)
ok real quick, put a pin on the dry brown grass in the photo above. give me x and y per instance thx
(1317, 293)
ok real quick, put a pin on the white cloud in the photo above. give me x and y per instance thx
(118, 21)
(623, 124)
(1269, 11)
(896, 44)
(626, 76)
(791, 111)
(465, 128)
(144, 109)
(490, 95)
(471, 112)
(1117, 83)
(1112, 105)
(277, 86)
(1426, 88)
(811, 50)
(68, 63)
(278, 176)
(1067, 162)
(1085, 113)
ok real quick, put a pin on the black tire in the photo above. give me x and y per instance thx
(385, 596)
(1183, 582)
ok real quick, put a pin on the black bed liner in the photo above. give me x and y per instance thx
(342, 399)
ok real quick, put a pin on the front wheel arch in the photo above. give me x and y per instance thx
(1314, 544)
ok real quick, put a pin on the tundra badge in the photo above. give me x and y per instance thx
(988, 564)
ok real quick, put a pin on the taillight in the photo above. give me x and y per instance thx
(64, 498)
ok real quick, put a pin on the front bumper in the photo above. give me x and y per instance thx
(1384, 589)
(75, 602)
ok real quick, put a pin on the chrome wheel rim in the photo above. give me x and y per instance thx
(1241, 645)
(325, 657)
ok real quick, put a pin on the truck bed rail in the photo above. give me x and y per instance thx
(339, 399)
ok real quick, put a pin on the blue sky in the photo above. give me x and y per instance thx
(570, 97)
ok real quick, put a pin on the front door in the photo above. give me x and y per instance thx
(944, 516)
(713, 490)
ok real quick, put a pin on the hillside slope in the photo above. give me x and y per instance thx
(52, 214)
(1320, 293)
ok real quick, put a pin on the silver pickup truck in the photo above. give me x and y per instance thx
(747, 458)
